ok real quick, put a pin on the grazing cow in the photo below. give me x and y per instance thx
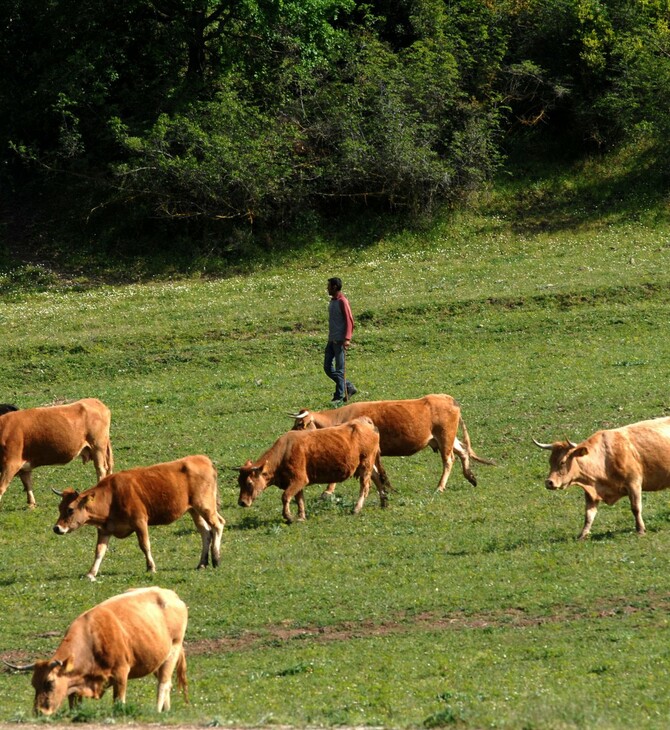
(406, 427)
(299, 458)
(131, 635)
(54, 435)
(7, 408)
(129, 501)
(612, 464)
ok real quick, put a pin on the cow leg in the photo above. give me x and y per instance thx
(206, 536)
(100, 550)
(447, 463)
(7, 474)
(381, 481)
(365, 488)
(293, 490)
(26, 476)
(464, 456)
(119, 685)
(300, 501)
(591, 508)
(329, 490)
(142, 531)
(164, 676)
(101, 461)
(218, 523)
(635, 494)
(206, 517)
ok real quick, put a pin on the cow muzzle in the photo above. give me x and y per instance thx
(551, 484)
(60, 530)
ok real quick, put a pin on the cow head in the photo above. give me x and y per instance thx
(51, 683)
(303, 420)
(252, 481)
(73, 512)
(564, 470)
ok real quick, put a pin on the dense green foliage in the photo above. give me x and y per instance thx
(544, 313)
(196, 124)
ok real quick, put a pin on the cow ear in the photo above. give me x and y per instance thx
(68, 666)
(580, 451)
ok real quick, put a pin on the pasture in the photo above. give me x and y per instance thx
(472, 608)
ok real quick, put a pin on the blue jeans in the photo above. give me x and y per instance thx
(333, 366)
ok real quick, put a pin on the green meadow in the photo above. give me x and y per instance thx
(544, 315)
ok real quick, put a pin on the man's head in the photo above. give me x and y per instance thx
(334, 285)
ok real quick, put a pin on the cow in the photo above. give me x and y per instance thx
(406, 427)
(299, 458)
(54, 435)
(132, 500)
(131, 635)
(611, 464)
(7, 408)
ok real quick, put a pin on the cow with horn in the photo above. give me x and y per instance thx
(131, 635)
(611, 464)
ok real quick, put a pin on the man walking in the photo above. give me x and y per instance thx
(340, 330)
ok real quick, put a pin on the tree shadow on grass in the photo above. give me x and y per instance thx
(564, 195)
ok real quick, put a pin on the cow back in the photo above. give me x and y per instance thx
(405, 426)
(162, 492)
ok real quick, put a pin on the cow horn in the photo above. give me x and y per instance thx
(542, 446)
(17, 668)
(302, 414)
(571, 444)
(57, 492)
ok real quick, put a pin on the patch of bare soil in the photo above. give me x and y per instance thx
(405, 623)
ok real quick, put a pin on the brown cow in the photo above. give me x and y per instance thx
(612, 464)
(299, 458)
(131, 500)
(54, 435)
(131, 635)
(406, 427)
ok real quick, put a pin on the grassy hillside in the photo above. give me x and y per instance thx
(544, 313)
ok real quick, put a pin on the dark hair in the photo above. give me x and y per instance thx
(336, 282)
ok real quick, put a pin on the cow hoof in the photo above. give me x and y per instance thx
(92, 578)
(32, 506)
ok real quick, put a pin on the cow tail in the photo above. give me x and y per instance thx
(182, 682)
(468, 445)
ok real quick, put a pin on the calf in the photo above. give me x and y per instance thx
(611, 464)
(131, 500)
(299, 458)
(137, 633)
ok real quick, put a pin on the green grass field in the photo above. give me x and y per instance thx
(473, 608)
